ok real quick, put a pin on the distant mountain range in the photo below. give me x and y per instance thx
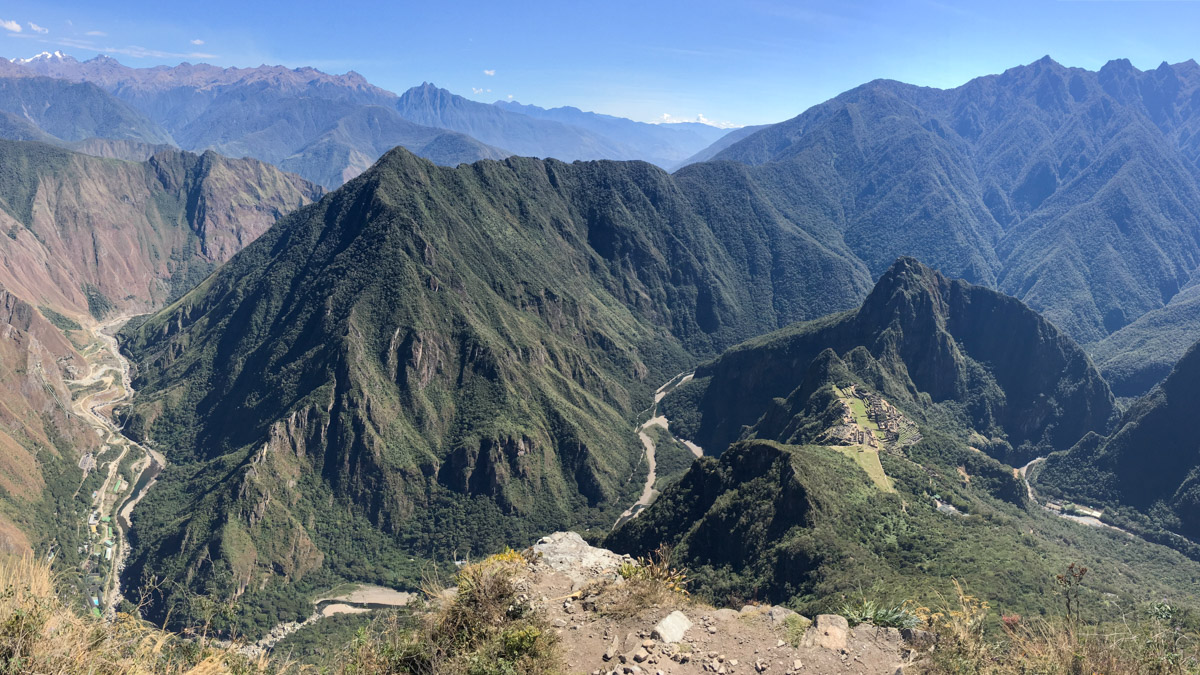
(327, 128)
(667, 145)
(1074, 191)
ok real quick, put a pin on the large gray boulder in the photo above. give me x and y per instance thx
(672, 628)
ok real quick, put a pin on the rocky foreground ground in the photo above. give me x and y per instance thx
(609, 624)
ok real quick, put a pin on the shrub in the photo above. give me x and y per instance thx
(656, 568)
(488, 628)
(867, 611)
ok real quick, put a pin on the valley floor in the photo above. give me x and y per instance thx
(130, 468)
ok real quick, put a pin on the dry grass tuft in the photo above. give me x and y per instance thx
(1153, 644)
(487, 628)
(40, 634)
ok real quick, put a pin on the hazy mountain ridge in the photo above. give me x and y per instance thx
(329, 127)
(294, 118)
(74, 112)
(524, 135)
(667, 145)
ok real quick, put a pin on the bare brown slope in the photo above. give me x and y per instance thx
(35, 417)
(129, 234)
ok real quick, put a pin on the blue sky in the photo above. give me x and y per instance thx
(747, 62)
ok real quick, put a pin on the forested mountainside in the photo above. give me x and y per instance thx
(105, 236)
(434, 361)
(861, 465)
(753, 245)
(1074, 191)
(1144, 474)
(430, 346)
(967, 358)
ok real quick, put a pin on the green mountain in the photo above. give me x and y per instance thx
(804, 525)
(1074, 191)
(967, 358)
(1145, 474)
(860, 466)
(434, 359)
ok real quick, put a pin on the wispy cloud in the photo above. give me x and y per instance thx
(490, 73)
(480, 90)
(38, 29)
(668, 118)
(10, 26)
(146, 53)
(197, 42)
(133, 51)
(96, 33)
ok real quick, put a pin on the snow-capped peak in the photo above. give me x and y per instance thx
(44, 56)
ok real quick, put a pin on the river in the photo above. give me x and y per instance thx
(109, 366)
(649, 494)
